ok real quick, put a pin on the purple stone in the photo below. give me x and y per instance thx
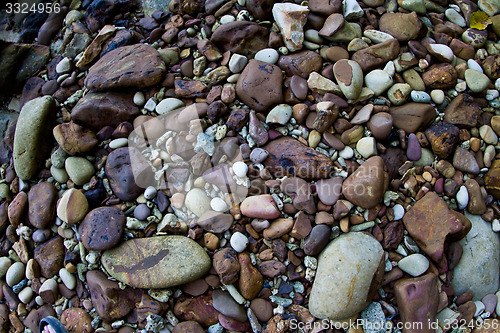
(141, 212)
(439, 186)
(299, 87)
(490, 303)
(414, 151)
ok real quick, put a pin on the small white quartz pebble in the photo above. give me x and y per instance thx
(26, 295)
(399, 212)
(267, 55)
(479, 308)
(472, 64)
(118, 143)
(218, 204)
(237, 63)
(139, 98)
(238, 242)
(15, 273)
(437, 96)
(346, 153)
(495, 225)
(240, 169)
(462, 197)
(415, 264)
(150, 192)
(367, 147)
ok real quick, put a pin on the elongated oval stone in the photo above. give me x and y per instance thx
(156, 262)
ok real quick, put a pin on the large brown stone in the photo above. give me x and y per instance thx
(42, 200)
(288, 156)
(74, 139)
(402, 26)
(199, 309)
(366, 186)
(376, 55)
(97, 110)
(443, 137)
(301, 63)
(110, 301)
(260, 86)
(430, 222)
(418, 301)
(243, 37)
(463, 111)
(138, 65)
(50, 256)
(440, 76)
(413, 117)
(227, 266)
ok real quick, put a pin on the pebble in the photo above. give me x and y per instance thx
(367, 147)
(197, 201)
(346, 153)
(168, 105)
(399, 212)
(269, 56)
(141, 212)
(280, 114)
(150, 193)
(239, 242)
(420, 97)
(258, 155)
(237, 63)
(378, 81)
(452, 15)
(79, 169)
(67, 278)
(139, 98)
(15, 273)
(64, 66)
(415, 264)
(26, 295)
(399, 93)
(218, 204)
(488, 135)
(437, 96)
(240, 169)
(4, 266)
(118, 143)
(476, 81)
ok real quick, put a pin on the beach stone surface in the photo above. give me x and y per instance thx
(30, 144)
(158, 262)
(127, 66)
(353, 254)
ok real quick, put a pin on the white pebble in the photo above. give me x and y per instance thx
(240, 169)
(238, 242)
(4, 266)
(25, 295)
(118, 143)
(226, 19)
(462, 197)
(139, 98)
(169, 104)
(472, 64)
(452, 15)
(150, 192)
(346, 153)
(150, 105)
(399, 212)
(39, 300)
(367, 147)
(495, 225)
(64, 66)
(67, 278)
(15, 274)
(237, 63)
(497, 87)
(267, 55)
(479, 308)
(415, 264)
(491, 94)
(218, 204)
(437, 96)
